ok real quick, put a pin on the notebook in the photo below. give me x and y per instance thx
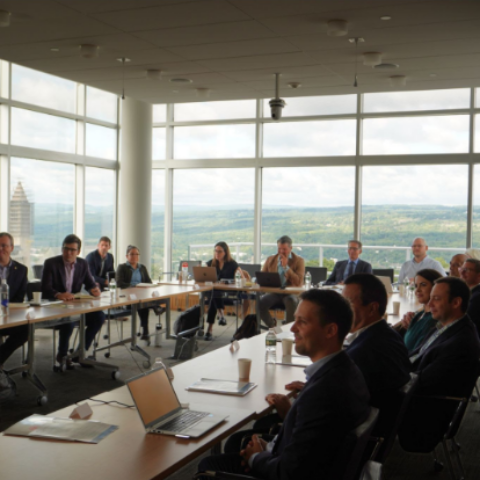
(268, 279)
(161, 412)
(204, 274)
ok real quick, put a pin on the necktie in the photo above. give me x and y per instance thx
(351, 267)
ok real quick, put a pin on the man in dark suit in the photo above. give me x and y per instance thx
(377, 349)
(333, 402)
(16, 275)
(62, 277)
(343, 269)
(100, 262)
(447, 364)
(470, 274)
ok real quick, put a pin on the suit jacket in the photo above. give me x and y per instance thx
(333, 402)
(296, 273)
(17, 282)
(382, 357)
(448, 367)
(473, 309)
(94, 261)
(339, 269)
(123, 276)
(54, 279)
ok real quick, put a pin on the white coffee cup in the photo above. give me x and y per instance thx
(396, 308)
(287, 344)
(244, 365)
(37, 297)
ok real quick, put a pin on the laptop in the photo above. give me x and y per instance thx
(387, 282)
(268, 279)
(205, 274)
(161, 412)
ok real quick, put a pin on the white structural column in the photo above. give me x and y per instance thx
(135, 180)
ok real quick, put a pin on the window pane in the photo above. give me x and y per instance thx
(99, 206)
(309, 139)
(159, 143)
(159, 113)
(476, 207)
(38, 88)
(214, 110)
(409, 135)
(214, 141)
(158, 222)
(477, 134)
(41, 208)
(212, 205)
(423, 100)
(314, 206)
(101, 142)
(38, 130)
(325, 105)
(403, 202)
(101, 105)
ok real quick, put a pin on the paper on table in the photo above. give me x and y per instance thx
(226, 387)
(294, 361)
(18, 305)
(147, 285)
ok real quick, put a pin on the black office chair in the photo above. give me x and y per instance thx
(346, 463)
(191, 264)
(319, 274)
(371, 471)
(251, 268)
(384, 272)
(38, 271)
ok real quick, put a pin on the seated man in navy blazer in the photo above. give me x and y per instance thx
(470, 274)
(447, 365)
(62, 277)
(333, 401)
(100, 262)
(377, 349)
(17, 279)
(344, 268)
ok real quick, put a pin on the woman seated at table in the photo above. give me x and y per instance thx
(226, 267)
(130, 274)
(418, 324)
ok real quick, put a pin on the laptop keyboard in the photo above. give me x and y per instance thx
(182, 421)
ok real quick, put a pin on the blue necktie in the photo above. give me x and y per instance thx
(350, 269)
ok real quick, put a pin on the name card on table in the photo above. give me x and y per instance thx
(133, 296)
(82, 411)
(278, 330)
(234, 346)
(30, 314)
(155, 294)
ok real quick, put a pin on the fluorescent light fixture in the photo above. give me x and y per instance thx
(370, 59)
(337, 28)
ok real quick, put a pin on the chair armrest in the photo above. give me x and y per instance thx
(186, 332)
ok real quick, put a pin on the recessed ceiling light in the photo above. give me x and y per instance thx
(385, 17)
(386, 66)
(54, 49)
(123, 60)
(180, 80)
(294, 84)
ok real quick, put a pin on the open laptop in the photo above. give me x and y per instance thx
(161, 412)
(268, 279)
(387, 281)
(205, 274)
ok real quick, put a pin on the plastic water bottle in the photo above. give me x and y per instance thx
(158, 334)
(159, 364)
(271, 347)
(184, 272)
(5, 293)
(238, 279)
(112, 285)
(308, 281)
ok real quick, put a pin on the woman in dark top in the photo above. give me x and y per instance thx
(417, 325)
(131, 273)
(226, 267)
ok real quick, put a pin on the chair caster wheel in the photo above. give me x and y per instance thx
(116, 375)
(107, 355)
(437, 466)
(200, 333)
(147, 364)
(42, 400)
(24, 374)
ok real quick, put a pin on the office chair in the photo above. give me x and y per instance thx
(38, 271)
(371, 471)
(191, 264)
(385, 272)
(250, 268)
(319, 274)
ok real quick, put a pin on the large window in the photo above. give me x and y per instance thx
(158, 222)
(214, 110)
(41, 208)
(159, 142)
(403, 202)
(99, 206)
(308, 106)
(314, 206)
(101, 105)
(101, 142)
(212, 205)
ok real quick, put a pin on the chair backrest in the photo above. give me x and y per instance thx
(350, 453)
(111, 275)
(251, 268)
(384, 272)
(33, 287)
(371, 471)
(319, 274)
(191, 264)
(38, 271)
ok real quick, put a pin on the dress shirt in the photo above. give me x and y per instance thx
(136, 275)
(102, 266)
(411, 267)
(440, 329)
(282, 270)
(4, 270)
(351, 337)
(347, 269)
(69, 272)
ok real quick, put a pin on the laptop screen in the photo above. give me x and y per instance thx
(153, 395)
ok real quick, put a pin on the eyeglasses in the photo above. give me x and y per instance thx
(5, 245)
(133, 255)
(70, 250)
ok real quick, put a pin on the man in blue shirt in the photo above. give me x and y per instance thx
(345, 268)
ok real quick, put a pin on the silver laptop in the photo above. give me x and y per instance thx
(387, 281)
(205, 274)
(161, 412)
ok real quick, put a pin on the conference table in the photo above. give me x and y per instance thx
(130, 453)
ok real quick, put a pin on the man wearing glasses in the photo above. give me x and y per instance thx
(63, 277)
(343, 269)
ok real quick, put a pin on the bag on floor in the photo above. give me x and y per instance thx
(8, 389)
(188, 319)
(248, 328)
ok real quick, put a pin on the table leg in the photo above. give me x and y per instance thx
(257, 311)
(31, 375)
(134, 347)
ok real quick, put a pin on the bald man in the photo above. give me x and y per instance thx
(455, 263)
(419, 261)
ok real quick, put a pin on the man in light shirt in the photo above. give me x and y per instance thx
(456, 263)
(333, 401)
(419, 261)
